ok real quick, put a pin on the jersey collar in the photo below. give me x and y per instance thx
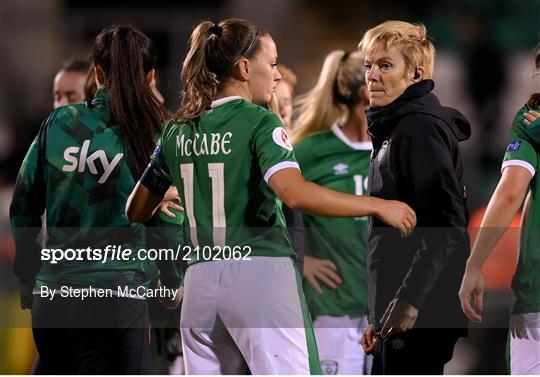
(223, 100)
(358, 145)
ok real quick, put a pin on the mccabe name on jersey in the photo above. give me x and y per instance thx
(203, 144)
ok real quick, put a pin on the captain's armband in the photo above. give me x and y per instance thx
(155, 179)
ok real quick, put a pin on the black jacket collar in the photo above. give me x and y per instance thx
(417, 99)
(381, 120)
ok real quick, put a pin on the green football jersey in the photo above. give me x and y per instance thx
(76, 169)
(526, 281)
(218, 162)
(329, 159)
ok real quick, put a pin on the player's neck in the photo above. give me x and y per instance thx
(234, 89)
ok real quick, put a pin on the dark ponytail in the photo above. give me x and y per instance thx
(126, 56)
(214, 49)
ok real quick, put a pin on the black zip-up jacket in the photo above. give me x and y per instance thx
(417, 160)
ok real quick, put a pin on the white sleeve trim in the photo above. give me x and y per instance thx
(523, 164)
(280, 166)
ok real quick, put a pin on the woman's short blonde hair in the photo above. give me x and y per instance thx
(410, 39)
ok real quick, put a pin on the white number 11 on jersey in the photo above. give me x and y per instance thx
(219, 221)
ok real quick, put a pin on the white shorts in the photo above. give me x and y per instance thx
(246, 314)
(525, 343)
(338, 341)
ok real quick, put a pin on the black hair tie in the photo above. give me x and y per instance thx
(216, 30)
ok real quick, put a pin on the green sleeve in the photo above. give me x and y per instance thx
(272, 146)
(520, 150)
(158, 156)
(533, 132)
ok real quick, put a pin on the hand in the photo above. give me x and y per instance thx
(530, 117)
(323, 270)
(171, 302)
(171, 194)
(398, 215)
(165, 205)
(169, 201)
(26, 295)
(398, 317)
(368, 339)
(472, 289)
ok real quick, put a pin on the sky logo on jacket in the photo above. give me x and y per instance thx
(79, 163)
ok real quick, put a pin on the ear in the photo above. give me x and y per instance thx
(418, 74)
(242, 69)
(151, 77)
(100, 76)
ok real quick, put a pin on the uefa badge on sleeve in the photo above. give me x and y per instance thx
(156, 151)
(513, 146)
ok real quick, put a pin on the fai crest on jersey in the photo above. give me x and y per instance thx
(398, 344)
(382, 151)
(513, 146)
(281, 138)
(329, 367)
(341, 168)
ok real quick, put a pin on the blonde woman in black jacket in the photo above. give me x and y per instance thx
(414, 312)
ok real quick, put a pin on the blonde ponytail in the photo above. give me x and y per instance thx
(318, 108)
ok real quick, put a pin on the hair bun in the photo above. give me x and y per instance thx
(216, 30)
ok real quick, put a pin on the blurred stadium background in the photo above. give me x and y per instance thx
(483, 68)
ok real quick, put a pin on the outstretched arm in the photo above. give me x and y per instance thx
(502, 208)
(297, 193)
